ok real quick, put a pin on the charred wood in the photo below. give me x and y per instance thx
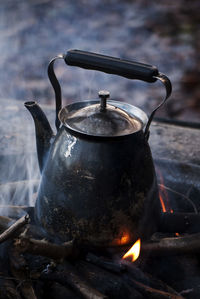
(20, 271)
(140, 276)
(180, 272)
(70, 277)
(110, 284)
(150, 292)
(8, 289)
(105, 264)
(7, 282)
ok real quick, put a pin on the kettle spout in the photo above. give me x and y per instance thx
(43, 132)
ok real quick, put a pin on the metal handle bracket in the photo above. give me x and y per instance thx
(168, 87)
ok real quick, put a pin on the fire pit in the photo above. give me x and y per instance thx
(168, 263)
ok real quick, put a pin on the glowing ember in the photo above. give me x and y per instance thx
(134, 251)
(124, 239)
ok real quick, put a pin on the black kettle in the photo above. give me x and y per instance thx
(98, 182)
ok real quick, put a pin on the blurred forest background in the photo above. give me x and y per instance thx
(162, 33)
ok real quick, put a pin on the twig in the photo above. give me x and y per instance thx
(10, 232)
(153, 293)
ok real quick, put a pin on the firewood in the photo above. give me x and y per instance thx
(15, 227)
(173, 246)
(70, 277)
(44, 248)
(19, 270)
(8, 283)
(150, 292)
(140, 276)
(8, 289)
(111, 284)
(105, 264)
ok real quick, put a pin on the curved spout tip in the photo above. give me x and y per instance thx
(43, 130)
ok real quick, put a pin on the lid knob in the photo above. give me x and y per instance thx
(103, 95)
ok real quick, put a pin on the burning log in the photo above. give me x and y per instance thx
(173, 246)
(15, 227)
(44, 248)
(70, 277)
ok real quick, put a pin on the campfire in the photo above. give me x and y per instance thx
(127, 247)
(38, 266)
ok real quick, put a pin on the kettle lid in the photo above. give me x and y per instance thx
(104, 118)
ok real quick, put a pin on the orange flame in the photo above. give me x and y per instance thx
(163, 196)
(162, 204)
(134, 251)
(164, 200)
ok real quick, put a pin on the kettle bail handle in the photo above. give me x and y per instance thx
(111, 65)
(168, 88)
